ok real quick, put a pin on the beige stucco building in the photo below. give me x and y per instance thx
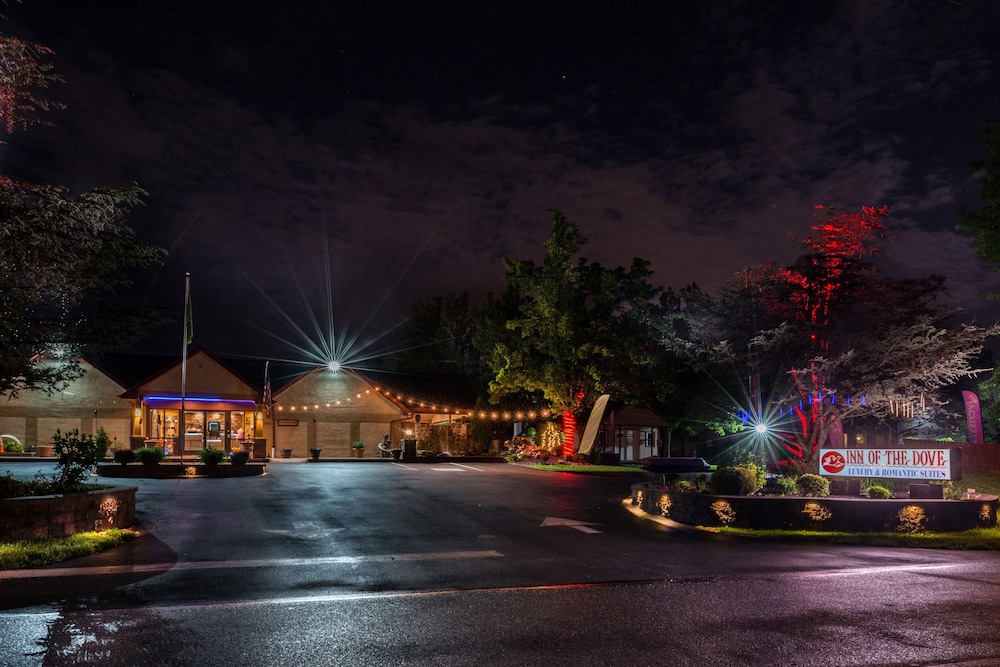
(220, 408)
(88, 403)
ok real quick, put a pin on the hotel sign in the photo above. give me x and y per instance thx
(917, 464)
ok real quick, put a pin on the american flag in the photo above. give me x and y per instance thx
(267, 388)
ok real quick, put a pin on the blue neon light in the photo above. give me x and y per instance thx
(198, 399)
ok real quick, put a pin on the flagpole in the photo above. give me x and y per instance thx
(267, 405)
(186, 334)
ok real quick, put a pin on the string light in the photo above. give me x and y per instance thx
(425, 405)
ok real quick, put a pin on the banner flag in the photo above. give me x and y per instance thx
(973, 416)
(593, 424)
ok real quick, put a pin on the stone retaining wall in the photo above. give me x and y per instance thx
(35, 517)
(829, 514)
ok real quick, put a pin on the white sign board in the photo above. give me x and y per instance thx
(915, 464)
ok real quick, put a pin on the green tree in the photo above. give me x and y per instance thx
(579, 329)
(989, 400)
(64, 257)
(441, 337)
(984, 222)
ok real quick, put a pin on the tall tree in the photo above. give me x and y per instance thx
(64, 257)
(577, 331)
(440, 337)
(984, 222)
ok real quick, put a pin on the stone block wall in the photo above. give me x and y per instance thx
(36, 517)
(827, 514)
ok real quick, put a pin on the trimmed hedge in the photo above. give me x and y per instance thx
(813, 485)
(734, 481)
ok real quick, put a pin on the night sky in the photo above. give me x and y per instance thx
(420, 143)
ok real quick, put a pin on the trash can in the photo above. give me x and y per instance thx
(409, 450)
(260, 448)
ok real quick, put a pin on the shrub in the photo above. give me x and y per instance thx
(211, 456)
(798, 467)
(77, 454)
(733, 481)
(876, 491)
(15, 488)
(149, 456)
(813, 485)
(787, 485)
(102, 438)
(13, 447)
(124, 456)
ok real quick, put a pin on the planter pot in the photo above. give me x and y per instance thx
(286, 453)
(239, 458)
(314, 453)
(45, 450)
(359, 452)
(396, 453)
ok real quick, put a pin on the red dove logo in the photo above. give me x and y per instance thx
(832, 462)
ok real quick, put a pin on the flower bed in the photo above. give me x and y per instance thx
(174, 470)
(827, 514)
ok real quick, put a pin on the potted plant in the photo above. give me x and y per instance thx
(314, 453)
(211, 456)
(396, 453)
(359, 448)
(239, 458)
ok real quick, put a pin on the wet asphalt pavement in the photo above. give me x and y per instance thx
(478, 564)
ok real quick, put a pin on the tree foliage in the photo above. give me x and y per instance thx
(984, 222)
(579, 327)
(63, 256)
(829, 339)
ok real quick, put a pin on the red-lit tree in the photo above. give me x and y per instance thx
(835, 340)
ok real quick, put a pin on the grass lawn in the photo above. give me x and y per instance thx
(980, 539)
(35, 553)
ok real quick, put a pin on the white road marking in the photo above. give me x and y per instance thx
(854, 571)
(306, 530)
(461, 465)
(582, 526)
(237, 564)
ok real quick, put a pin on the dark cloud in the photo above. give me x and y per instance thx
(420, 148)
